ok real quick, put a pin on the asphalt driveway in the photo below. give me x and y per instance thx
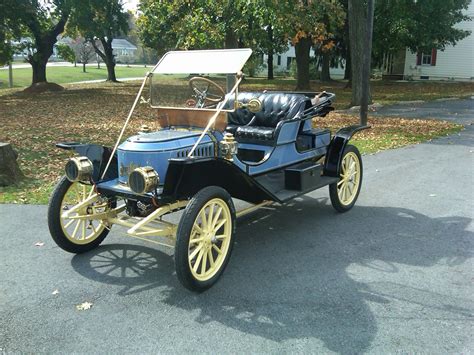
(395, 274)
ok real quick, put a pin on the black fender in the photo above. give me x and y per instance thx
(332, 164)
(98, 155)
(185, 177)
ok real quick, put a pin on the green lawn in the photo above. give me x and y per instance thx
(63, 75)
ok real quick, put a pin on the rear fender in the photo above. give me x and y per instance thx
(98, 155)
(332, 165)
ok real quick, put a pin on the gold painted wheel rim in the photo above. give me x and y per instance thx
(80, 231)
(348, 186)
(210, 239)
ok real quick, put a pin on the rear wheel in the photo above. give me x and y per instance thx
(75, 235)
(345, 192)
(204, 238)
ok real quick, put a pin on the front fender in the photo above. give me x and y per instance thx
(98, 155)
(332, 165)
(185, 177)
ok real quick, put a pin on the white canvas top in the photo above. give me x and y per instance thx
(214, 61)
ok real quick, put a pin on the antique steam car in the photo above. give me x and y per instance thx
(214, 144)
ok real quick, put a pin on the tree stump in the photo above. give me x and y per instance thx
(10, 173)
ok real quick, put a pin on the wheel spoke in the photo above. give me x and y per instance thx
(202, 214)
(216, 249)
(198, 260)
(83, 229)
(204, 263)
(216, 217)
(210, 216)
(197, 228)
(93, 228)
(195, 251)
(69, 223)
(196, 240)
(210, 257)
(219, 225)
(341, 182)
(222, 236)
(84, 192)
(76, 228)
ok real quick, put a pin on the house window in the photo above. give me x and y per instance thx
(288, 62)
(279, 60)
(426, 59)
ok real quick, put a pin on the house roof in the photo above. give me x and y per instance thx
(122, 44)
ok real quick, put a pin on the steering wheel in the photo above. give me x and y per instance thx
(201, 87)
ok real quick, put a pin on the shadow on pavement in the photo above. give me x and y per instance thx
(295, 270)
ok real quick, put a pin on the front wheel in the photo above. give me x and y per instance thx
(79, 233)
(344, 193)
(204, 238)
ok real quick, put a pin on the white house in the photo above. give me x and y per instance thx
(454, 63)
(282, 62)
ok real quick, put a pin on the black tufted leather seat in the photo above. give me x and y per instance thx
(261, 127)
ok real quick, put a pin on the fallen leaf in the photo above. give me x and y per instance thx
(55, 292)
(432, 195)
(84, 306)
(39, 244)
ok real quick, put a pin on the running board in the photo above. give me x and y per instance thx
(294, 181)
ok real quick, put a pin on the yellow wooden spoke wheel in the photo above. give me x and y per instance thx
(78, 233)
(344, 193)
(204, 238)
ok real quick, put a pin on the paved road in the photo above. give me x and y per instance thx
(461, 111)
(394, 274)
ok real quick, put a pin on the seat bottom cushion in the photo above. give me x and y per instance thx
(255, 134)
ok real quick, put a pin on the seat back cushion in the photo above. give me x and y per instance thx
(277, 107)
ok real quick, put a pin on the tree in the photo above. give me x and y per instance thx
(99, 22)
(10, 29)
(84, 52)
(358, 29)
(42, 22)
(418, 25)
(66, 52)
(311, 22)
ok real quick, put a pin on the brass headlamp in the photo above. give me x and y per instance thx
(79, 169)
(144, 179)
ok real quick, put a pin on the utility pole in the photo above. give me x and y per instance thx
(10, 74)
(364, 99)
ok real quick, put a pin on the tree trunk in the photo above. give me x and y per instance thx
(83, 67)
(302, 49)
(270, 53)
(231, 41)
(325, 67)
(107, 57)
(10, 173)
(358, 47)
(44, 43)
(39, 70)
(109, 60)
(347, 68)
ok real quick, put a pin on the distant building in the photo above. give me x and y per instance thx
(454, 63)
(282, 63)
(124, 51)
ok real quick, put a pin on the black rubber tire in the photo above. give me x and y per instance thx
(335, 201)
(54, 222)
(184, 232)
